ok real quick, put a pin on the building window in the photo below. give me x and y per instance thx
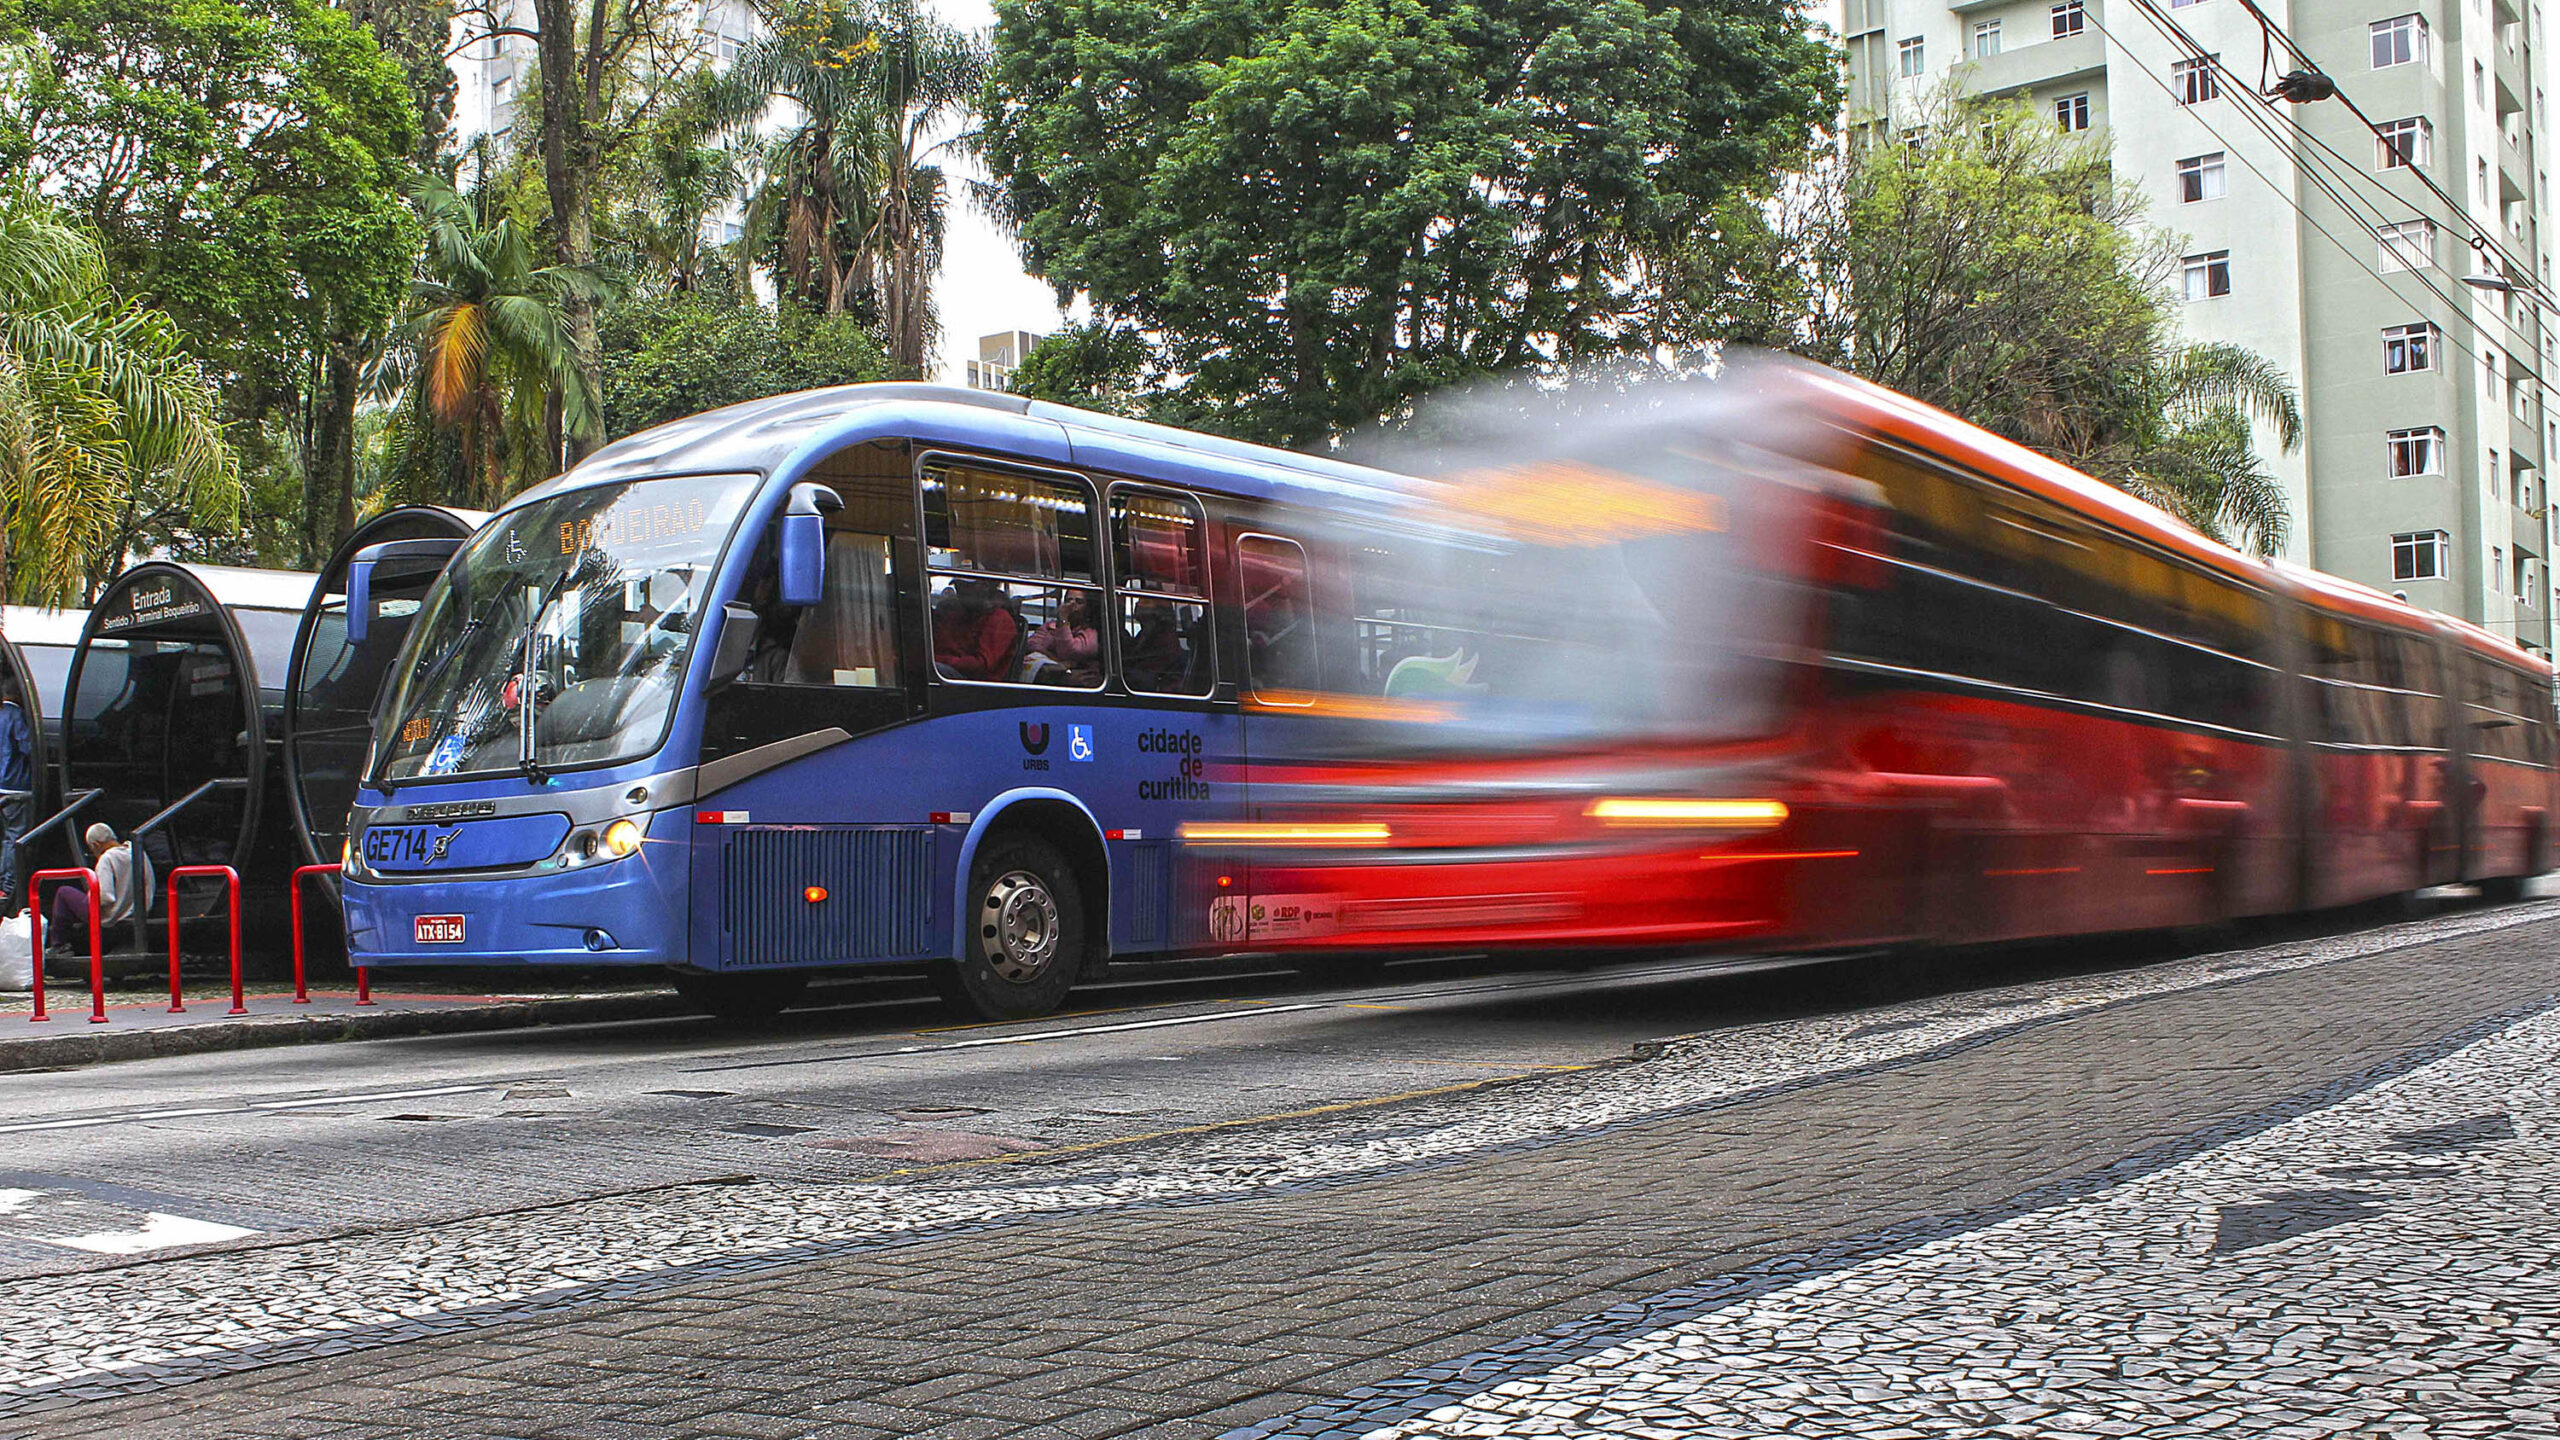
(2194, 81)
(2417, 452)
(2183, 4)
(2421, 556)
(2480, 178)
(2524, 581)
(2069, 19)
(2401, 40)
(2489, 372)
(1913, 59)
(2408, 349)
(2200, 178)
(2072, 111)
(2497, 568)
(1986, 39)
(2409, 245)
(2407, 142)
(2493, 474)
(2207, 275)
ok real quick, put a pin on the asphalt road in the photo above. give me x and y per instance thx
(1211, 1203)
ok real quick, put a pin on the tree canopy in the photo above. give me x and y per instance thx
(1993, 265)
(1319, 209)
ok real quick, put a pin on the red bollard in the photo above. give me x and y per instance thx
(301, 988)
(169, 901)
(97, 952)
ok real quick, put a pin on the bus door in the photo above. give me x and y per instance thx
(1278, 693)
(1167, 758)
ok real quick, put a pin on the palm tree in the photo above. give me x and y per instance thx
(483, 356)
(100, 409)
(855, 200)
(2196, 454)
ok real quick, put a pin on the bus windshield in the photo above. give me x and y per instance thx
(582, 604)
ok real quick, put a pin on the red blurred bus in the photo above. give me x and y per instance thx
(1899, 681)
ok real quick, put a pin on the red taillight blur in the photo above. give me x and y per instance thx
(1849, 540)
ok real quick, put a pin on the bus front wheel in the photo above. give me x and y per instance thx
(1026, 932)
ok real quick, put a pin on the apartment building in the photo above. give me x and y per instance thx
(2400, 270)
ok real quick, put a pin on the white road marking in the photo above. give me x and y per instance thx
(246, 1107)
(13, 1202)
(160, 1231)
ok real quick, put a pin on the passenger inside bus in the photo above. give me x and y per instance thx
(1067, 650)
(974, 632)
(1159, 653)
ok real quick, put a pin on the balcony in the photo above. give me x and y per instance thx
(2048, 63)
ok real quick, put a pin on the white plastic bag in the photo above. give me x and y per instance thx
(17, 957)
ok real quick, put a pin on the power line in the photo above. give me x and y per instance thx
(2480, 238)
(2320, 179)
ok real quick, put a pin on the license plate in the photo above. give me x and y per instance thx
(439, 930)
(407, 847)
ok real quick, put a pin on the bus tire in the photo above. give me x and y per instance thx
(1025, 941)
(741, 997)
(2502, 889)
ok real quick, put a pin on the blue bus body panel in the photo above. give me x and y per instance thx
(544, 918)
(837, 858)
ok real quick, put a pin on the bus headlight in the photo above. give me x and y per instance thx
(621, 838)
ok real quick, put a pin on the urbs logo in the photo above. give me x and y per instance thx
(1035, 738)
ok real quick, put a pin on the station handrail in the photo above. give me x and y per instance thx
(169, 902)
(79, 798)
(141, 922)
(97, 952)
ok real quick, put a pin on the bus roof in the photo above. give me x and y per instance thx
(789, 431)
(37, 625)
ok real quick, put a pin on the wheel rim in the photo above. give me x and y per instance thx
(1018, 927)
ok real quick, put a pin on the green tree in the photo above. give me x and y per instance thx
(857, 204)
(485, 356)
(245, 164)
(1097, 367)
(1323, 208)
(1994, 266)
(607, 68)
(95, 395)
(679, 355)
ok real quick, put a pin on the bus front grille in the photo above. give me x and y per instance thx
(810, 896)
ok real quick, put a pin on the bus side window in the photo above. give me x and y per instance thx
(1160, 562)
(850, 637)
(1279, 623)
(1011, 573)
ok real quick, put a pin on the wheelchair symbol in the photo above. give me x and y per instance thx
(1079, 742)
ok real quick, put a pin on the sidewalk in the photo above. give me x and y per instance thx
(139, 1025)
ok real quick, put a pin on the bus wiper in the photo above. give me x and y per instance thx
(426, 683)
(525, 683)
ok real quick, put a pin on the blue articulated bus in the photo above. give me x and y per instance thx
(879, 675)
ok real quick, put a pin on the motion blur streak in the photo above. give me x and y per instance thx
(1785, 660)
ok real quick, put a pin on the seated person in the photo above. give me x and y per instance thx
(1157, 650)
(121, 880)
(974, 632)
(1067, 650)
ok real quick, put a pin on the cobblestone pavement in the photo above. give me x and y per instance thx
(1940, 1216)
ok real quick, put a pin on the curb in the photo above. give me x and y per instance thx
(102, 1046)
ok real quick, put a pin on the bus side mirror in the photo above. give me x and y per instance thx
(396, 563)
(359, 596)
(736, 645)
(804, 543)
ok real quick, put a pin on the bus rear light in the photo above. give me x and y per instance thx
(815, 894)
(1689, 814)
(1293, 836)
